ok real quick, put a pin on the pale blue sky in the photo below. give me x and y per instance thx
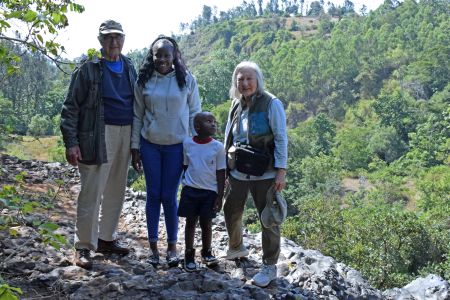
(144, 20)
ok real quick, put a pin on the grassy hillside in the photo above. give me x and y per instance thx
(28, 147)
(251, 34)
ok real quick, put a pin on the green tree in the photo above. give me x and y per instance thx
(353, 147)
(396, 109)
(8, 120)
(214, 76)
(434, 209)
(386, 144)
(43, 20)
(206, 14)
(315, 9)
(40, 126)
(386, 255)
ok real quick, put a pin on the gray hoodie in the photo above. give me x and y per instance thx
(164, 114)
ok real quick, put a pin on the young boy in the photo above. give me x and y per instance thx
(203, 186)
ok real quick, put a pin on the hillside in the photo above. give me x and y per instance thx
(197, 45)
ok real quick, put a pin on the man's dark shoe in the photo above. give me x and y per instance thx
(111, 247)
(83, 259)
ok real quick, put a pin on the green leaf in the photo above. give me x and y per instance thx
(39, 37)
(11, 70)
(30, 16)
(13, 232)
(60, 238)
(55, 245)
(27, 208)
(13, 15)
(8, 292)
(20, 177)
(56, 18)
(49, 226)
(4, 24)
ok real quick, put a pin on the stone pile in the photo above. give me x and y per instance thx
(302, 274)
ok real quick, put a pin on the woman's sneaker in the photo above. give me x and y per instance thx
(265, 275)
(208, 258)
(153, 259)
(172, 259)
(189, 264)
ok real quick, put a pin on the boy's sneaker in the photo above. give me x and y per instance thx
(189, 264)
(265, 275)
(236, 253)
(208, 258)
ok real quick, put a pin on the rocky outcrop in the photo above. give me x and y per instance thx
(302, 274)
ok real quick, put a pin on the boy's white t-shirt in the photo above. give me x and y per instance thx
(203, 160)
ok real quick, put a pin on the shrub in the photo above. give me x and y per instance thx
(40, 126)
(352, 147)
(385, 242)
(136, 181)
(57, 153)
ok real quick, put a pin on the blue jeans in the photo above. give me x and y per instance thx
(162, 165)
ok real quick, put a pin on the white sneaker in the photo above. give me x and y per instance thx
(236, 253)
(265, 275)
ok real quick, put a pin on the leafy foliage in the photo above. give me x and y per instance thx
(18, 205)
(40, 126)
(8, 292)
(42, 20)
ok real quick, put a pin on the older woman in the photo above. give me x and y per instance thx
(167, 100)
(257, 119)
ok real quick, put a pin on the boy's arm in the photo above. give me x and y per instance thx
(220, 175)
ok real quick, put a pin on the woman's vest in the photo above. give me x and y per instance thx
(260, 134)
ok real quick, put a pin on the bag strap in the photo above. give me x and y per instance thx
(234, 118)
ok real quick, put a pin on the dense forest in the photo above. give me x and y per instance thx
(367, 100)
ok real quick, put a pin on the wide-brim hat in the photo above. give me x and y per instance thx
(275, 211)
(110, 26)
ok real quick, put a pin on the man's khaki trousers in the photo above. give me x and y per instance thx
(103, 190)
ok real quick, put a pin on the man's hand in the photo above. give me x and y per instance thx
(217, 204)
(280, 180)
(73, 155)
(136, 160)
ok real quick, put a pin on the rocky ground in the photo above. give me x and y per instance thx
(43, 272)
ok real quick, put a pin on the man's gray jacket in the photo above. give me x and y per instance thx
(82, 115)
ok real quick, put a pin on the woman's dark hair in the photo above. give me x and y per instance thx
(148, 66)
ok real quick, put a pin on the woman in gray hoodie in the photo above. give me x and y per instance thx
(167, 100)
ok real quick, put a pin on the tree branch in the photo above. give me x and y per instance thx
(40, 49)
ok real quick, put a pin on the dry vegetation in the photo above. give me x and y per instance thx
(28, 147)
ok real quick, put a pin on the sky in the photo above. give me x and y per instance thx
(144, 20)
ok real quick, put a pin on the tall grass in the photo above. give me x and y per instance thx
(39, 148)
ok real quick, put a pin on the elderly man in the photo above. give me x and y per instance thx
(96, 126)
